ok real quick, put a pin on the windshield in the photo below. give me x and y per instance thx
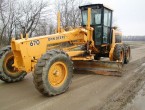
(107, 17)
(85, 17)
(95, 17)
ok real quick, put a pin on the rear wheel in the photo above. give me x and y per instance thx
(127, 53)
(53, 73)
(7, 72)
(118, 54)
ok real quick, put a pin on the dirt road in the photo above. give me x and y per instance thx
(138, 102)
(87, 91)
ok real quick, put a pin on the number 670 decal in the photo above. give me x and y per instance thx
(34, 42)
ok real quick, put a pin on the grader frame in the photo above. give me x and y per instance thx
(50, 57)
(28, 51)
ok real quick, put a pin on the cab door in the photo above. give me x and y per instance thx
(107, 24)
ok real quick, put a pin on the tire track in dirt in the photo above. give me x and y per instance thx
(125, 93)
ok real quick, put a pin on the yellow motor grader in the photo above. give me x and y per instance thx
(52, 58)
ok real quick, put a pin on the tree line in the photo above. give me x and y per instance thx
(133, 38)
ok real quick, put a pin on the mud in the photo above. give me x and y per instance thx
(126, 93)
(138, 99)
(137, 103)
(88, 91)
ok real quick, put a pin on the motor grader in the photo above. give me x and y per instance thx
(53, 58)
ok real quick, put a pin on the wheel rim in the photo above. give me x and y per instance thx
(8, 65)
(57, 74)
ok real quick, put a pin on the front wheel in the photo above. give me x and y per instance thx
(7, 72)
(53, 73)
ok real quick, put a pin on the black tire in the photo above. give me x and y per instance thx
(127, 53)
(7, 72)
(118, 54)
(96, 57)
(42, 72)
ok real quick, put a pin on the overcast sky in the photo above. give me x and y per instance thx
(129, 15)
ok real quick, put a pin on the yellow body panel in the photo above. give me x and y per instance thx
(29, 50)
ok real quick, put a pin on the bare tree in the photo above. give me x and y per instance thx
(35, 17)
(6, 19)
(20, 17)
(29, 15)
(70, 13)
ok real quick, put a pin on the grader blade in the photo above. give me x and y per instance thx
(112, 68)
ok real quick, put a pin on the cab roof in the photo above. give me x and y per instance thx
(94, 6)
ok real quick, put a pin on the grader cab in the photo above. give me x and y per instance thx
(101, 22)
(53, 58)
